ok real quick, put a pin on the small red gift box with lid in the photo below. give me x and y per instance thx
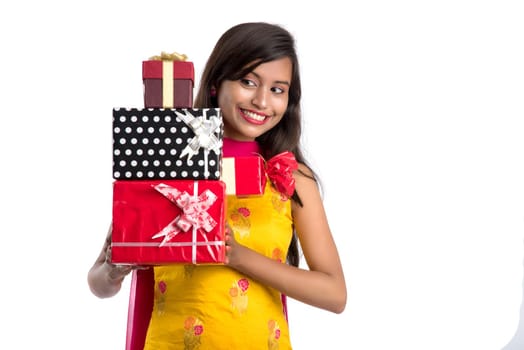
(168, 81)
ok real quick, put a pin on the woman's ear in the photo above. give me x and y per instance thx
(213, 97)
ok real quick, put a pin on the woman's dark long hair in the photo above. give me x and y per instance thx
(238, 52)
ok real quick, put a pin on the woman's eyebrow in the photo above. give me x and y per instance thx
(284, 82)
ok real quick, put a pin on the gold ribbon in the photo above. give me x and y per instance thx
(164, 56)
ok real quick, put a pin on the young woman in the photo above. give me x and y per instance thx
(253, 76)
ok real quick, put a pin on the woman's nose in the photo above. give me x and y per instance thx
(260, 98)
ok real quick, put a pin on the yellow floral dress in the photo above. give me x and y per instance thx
(215, 307)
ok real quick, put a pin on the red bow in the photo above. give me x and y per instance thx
(280, 169)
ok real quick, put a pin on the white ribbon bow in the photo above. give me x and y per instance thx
(205, 137)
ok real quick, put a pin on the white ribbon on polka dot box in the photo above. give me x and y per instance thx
(167, 143)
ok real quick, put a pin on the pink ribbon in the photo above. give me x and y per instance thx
(194, 213)
(280, 169)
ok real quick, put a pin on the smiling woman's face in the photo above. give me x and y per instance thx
(256, 103)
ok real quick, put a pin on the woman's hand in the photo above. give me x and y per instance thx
(104, 277)
(118, 272)
(233, 248)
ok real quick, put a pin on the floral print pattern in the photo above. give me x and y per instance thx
(277, 255)
(193, 329)
(188, 270)
(240, 221)
(238, 294)
(278, 200)
(274, 335)
(160, 297)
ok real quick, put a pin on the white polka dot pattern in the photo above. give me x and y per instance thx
(148, 143)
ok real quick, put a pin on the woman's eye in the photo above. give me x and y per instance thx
(277, 90)
(247, 82)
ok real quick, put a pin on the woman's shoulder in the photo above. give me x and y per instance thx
(305, 180)
(304, 171)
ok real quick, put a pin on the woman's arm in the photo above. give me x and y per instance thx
(105, 279)
(323, 285)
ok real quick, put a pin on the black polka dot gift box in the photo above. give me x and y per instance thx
(167, 143)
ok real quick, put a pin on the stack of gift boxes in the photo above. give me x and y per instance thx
(171, 180)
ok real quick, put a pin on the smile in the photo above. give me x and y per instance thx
(253, 117)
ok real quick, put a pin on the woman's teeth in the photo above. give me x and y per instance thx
(255, 116)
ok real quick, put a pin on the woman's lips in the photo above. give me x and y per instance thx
(253, 117)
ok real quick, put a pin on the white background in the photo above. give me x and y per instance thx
(413, 118)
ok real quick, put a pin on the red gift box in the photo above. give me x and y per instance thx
(168, 221)
(243, 175)
(168, 84)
